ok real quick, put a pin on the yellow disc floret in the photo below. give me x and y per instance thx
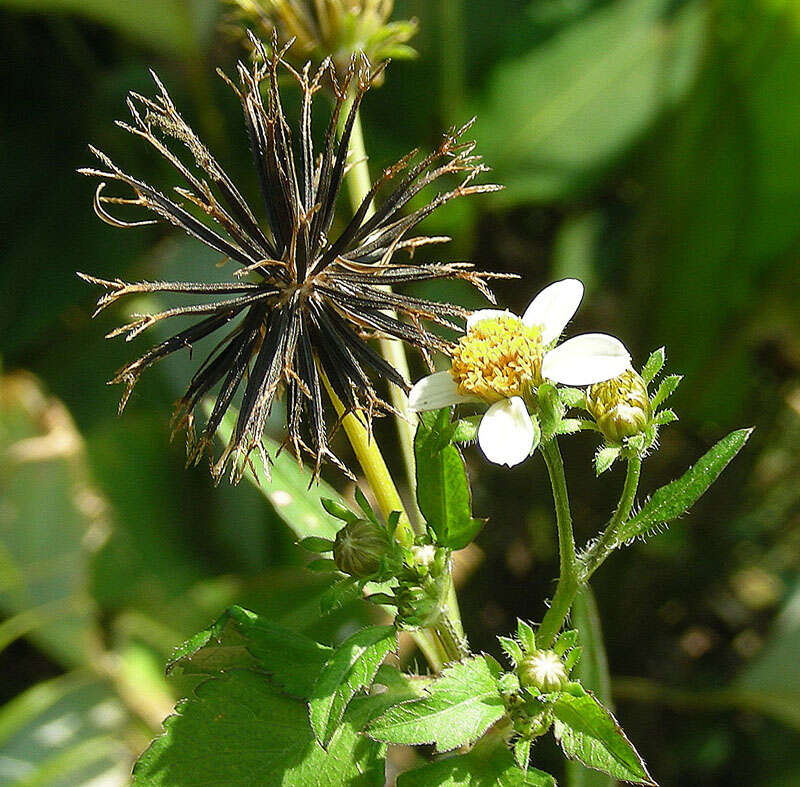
(498, 358)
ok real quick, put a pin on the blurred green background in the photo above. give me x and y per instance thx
(650, 147)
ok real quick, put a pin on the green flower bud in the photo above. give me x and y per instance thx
(364, 549)
(620, 406)
(542, 670)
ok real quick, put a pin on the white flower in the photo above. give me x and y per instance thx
(502, 358)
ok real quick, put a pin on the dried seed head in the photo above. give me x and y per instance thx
(305, 299)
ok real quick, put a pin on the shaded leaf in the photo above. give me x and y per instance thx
(555, 118)
(476, 769)
(237, 730)
(174, 33)
(240, 638)
(67, 730)
(51, 521)
(289, 488)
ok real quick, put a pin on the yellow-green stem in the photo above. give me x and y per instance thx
(358, 186)
(380, 481)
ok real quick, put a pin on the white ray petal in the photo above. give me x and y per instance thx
(487, 314)
(553, 308)
(506, 432)
(586, 359)
(436, 391)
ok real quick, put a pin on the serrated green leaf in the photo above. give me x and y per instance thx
(592, 671)
(238, 731)
(665, 417)
(512, 649)
(522, 752)
(605, 457)
(461, 705)
(240, 638)
(654, 364)
(350, 668)
(478, 768)
(396, 687)
(526, 635)
(665, 390)
(679, 496)
(290, 489)
(443, 491)
(589, 733)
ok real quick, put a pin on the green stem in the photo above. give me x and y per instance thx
(435, 650)
(568, 580)
(358, 186)
(451, 70)
(607, 542)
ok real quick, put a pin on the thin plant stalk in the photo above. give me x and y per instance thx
(605, 545)
(358, 186)
(568, 580)
(436, 650)
(574, 571)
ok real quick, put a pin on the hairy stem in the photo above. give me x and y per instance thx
(607, 542)
(568, 581)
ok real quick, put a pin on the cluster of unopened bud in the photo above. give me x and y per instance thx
(423, 584)
(620, 406)
(337, 29)
(365, 550)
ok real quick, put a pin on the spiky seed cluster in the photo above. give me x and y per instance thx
(304, 301)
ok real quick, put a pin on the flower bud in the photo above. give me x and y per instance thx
(335, 28)
(364, 549)
(620, 406)
(542, 670)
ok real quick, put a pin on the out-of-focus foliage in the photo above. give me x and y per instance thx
(649, 147)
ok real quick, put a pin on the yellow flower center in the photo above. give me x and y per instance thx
(498, 358)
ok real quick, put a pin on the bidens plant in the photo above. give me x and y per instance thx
(308, 295)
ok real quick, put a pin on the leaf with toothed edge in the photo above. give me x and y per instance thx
(461, 705)
(588, 733)
(676, 498)
(240, 638)
(350, 668)
(237, 730)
